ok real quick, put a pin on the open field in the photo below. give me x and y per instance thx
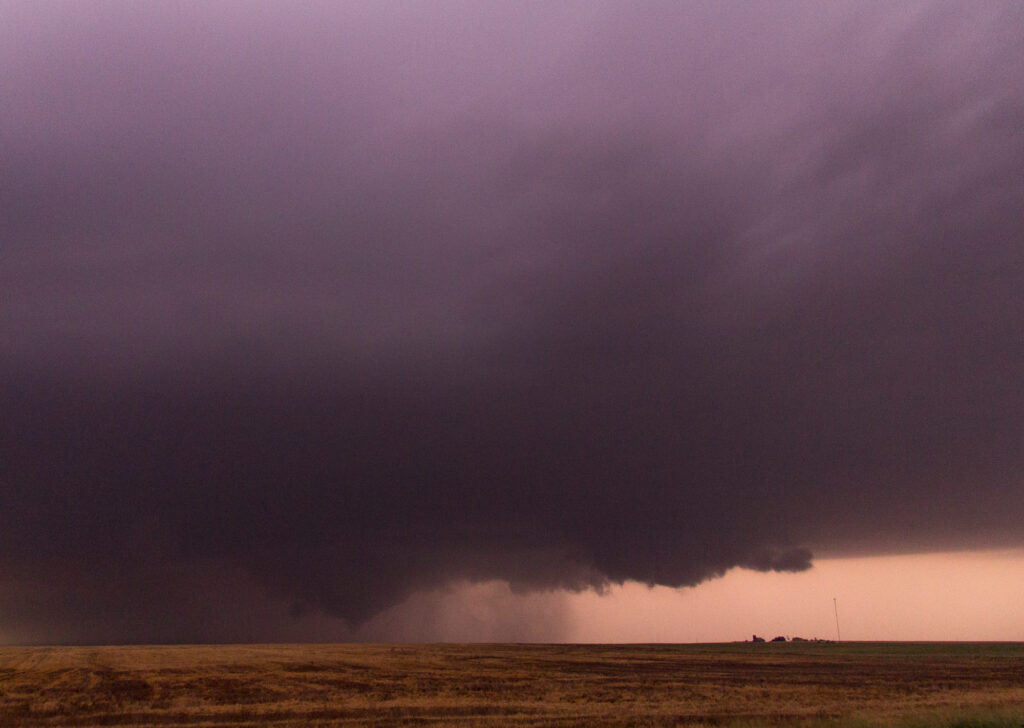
(912, 684)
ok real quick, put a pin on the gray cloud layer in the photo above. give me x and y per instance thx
(355, 300)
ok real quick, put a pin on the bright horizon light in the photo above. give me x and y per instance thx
(956, 596)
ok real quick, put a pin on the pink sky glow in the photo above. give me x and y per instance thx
(960, 596)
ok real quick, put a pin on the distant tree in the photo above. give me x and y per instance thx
(778, 639)
(757, 639)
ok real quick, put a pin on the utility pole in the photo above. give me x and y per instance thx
(835, 607)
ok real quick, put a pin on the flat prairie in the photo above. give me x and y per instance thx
(744, 684)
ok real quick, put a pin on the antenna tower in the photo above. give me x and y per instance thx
(835, 608)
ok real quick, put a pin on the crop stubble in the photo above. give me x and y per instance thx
(520, 685)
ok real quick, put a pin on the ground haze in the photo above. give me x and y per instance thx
(523, 685)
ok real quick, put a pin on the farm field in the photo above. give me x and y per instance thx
(795, 683)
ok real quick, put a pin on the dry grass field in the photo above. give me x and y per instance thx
(854, 684)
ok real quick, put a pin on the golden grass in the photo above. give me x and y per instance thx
(518, 685)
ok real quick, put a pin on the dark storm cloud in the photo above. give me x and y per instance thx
(310, 310)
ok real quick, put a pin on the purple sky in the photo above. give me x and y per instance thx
(343, 301)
